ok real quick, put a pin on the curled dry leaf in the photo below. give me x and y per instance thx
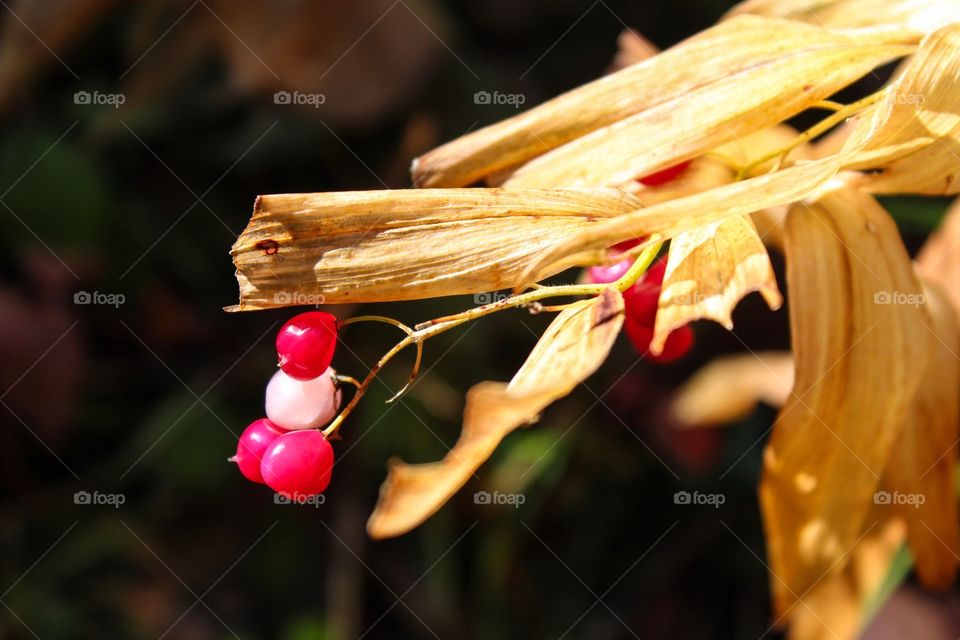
(923, 15)
(939, 259)
(922, 467)
(911, 140)
(709, 270)
(575, 344)
(734, 78)
(858, 363)
(667, 219)
(370, 246)
(729, 387)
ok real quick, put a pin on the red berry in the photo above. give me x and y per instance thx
(665, 175)
(678, 343)
(306, 343)
(253, 442)
(298, 464)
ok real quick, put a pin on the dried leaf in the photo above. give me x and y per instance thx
(810, 67)
(729, 387)
(742, 75)
(859, 362)
(939, 259)
(709, 270)
(912, 139)
(575, 344)
(920, 478)
(744, 151)
(923, 15)
(370, 246)
(668, 219)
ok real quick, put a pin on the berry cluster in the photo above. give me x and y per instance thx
(286, 451)
(640, 300)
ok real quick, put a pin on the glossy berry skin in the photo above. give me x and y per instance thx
(305, 344)
(610, 273)
(298, 464)
(664, 175)
(615, 271)
(253, 442)
(302, 404)
(640, 304)
(678, 343)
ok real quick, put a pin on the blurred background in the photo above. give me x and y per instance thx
(135, 138)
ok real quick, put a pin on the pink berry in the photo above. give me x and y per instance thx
(305, 344)
(665, 175)
(302, 404)
(677, 345)
(298, 464)
(610, 273)
(613, 272)
(253, 442)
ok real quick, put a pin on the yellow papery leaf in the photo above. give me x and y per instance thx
(574, 345)
(728, 388)
(911, 140)
(370, 246)
(919, 484)
(923, 15)
(808, 68)
(709, 270)
(667, 219)
(669, 107)
(939, 259)
(861, 349)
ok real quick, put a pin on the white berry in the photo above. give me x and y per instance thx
(302, 404)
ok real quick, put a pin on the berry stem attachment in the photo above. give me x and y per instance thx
(821, 127)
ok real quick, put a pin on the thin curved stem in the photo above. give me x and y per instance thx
(821, 127)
